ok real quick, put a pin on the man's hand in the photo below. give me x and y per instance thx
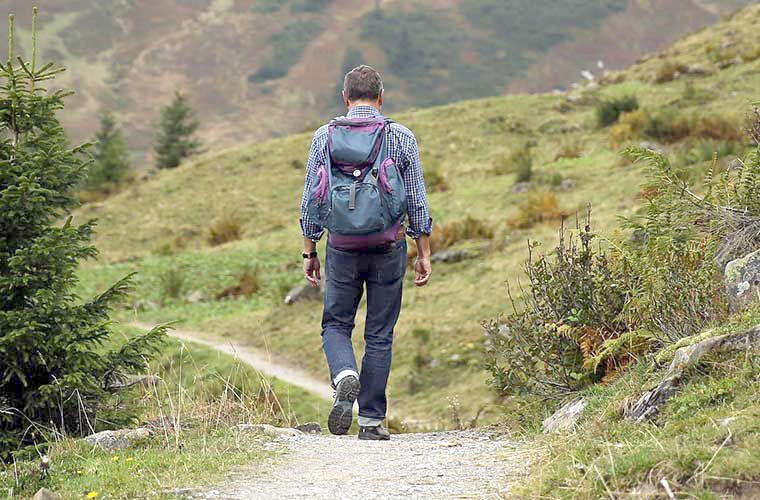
(311, 271)
(422, 271)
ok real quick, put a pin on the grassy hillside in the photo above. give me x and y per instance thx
(258, 68)
(161, 228)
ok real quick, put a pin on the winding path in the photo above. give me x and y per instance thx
(259, 360)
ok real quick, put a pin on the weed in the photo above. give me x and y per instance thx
(249, 283)
(172, 282)
(669, 71)
(435, 181)
(449, 233)
(569, 149)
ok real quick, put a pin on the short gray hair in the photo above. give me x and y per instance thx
(363, 83)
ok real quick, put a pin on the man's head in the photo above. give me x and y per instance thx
(363, 85)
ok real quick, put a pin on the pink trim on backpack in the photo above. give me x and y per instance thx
(382, 178)
(321, 190)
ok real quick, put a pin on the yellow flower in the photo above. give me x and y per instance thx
(80, 472)
(129, 459)
(115, 458)
(92, 494)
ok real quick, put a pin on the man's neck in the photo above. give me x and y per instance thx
(371, 104)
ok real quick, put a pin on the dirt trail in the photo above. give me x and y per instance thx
(443, 465)
(260, 360)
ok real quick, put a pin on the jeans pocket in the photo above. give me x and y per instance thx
(341, 266)
(393, 264)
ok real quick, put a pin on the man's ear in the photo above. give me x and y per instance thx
(345, 100)
(380, 99)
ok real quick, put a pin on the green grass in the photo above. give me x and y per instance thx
(202, 395)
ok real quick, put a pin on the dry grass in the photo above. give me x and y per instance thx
(450, 233)
(227, 228)
(248, 284)
(669, 71)
(537, 209)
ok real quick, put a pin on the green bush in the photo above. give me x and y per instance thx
(608, 112)
(55, 371)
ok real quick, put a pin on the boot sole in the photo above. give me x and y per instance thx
(342, 414)
(373, 437)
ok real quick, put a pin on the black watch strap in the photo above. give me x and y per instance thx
(310, 255)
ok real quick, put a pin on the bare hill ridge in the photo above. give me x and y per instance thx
(259, 68)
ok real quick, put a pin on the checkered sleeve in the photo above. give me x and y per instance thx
(316, 158)
(419, 212)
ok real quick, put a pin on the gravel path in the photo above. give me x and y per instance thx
(443, 465)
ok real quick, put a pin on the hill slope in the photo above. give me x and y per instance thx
(259, 68)
(160, 227)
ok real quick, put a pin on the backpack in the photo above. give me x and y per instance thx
(359, 196)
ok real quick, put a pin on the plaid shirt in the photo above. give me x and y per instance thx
(402, 147)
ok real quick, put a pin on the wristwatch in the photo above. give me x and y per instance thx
(310, 255)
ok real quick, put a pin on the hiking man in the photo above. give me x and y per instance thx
(363, 179)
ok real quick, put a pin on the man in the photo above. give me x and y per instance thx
(380, 268)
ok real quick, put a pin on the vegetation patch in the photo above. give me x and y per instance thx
(286, 49)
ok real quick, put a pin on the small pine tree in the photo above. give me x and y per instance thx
(110, 155)
(55, 373)
(174, 141)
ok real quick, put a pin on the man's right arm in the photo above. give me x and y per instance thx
(312, 231)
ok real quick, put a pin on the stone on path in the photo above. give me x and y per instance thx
(310, 428)
(269, 430)
(566, 417)
(111, 441)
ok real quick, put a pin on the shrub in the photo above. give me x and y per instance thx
(608, 112)
(671, 127)
(669, 71)
(668, 127)
(286, 49)
(227, 228)
(630, 126)
(575, 304)
(705, 150)
(537, 208)
(519, 162)
(569, 149)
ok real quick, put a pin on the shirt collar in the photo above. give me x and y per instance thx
(362, 111)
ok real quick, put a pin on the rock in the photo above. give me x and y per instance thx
(111, 441)
(310, 428)
(652, 146)
(269, 430)
(652, 401)
(196, 297)
(695, 70)
(566, 417)
(567, 185)
(522, 187)
(303, 293)
(45, 494)
(451, 256)
(742, 277)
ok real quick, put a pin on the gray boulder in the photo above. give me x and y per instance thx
(111, 441)
(567, 185)
(45, 494)
(566, 417)
(451, 256)
(305, 292)
(742, 277)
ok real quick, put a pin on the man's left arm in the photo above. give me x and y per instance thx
(420, 222)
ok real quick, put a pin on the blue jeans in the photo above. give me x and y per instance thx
(347, 273)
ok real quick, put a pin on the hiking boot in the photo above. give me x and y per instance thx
(341, 415)
(374, 433)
